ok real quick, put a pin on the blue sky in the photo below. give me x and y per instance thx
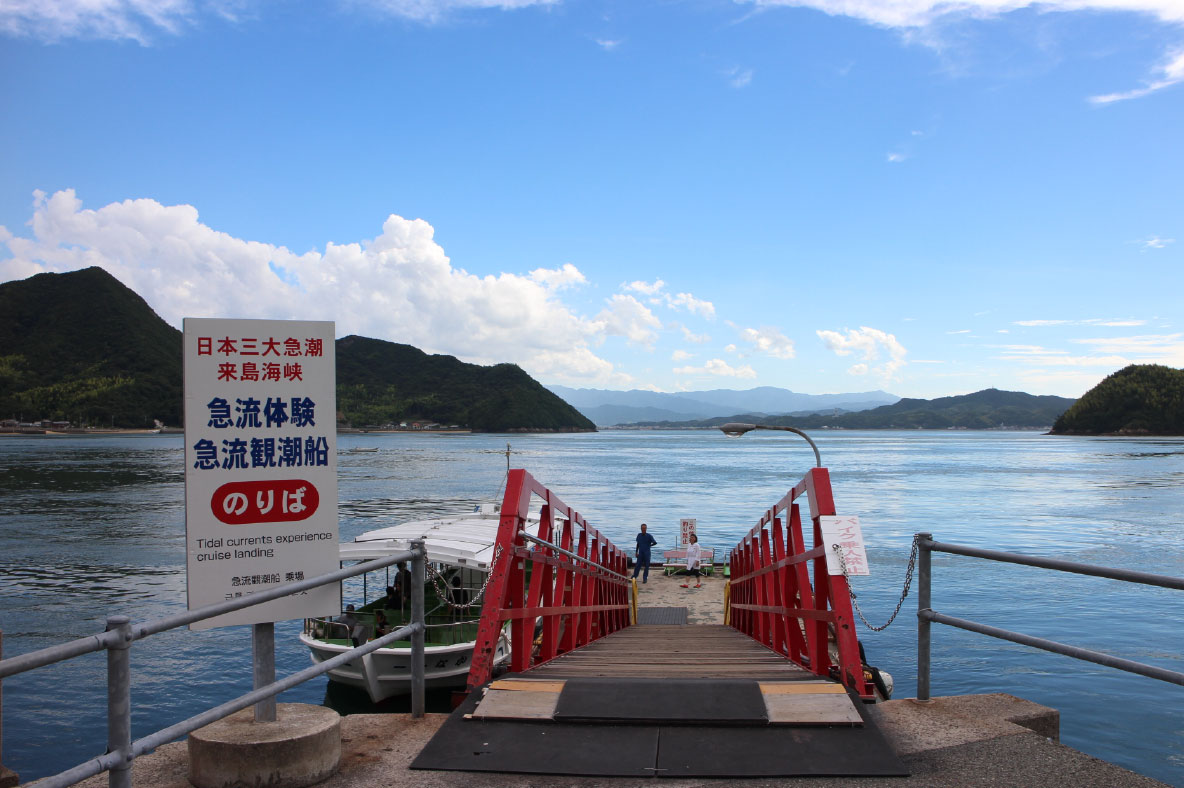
(921, 197)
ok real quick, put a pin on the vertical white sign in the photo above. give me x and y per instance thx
(260, 465)
(843, 534)
(686, 527)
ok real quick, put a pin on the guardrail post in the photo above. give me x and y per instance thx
(418, 578)
(924, 606)
(119, 701)
(263, 667)
(8, 777)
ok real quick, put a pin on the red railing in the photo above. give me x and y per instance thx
(579, 597)
(773, 600)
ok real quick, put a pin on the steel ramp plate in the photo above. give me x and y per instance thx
(662, 615)
(670, 701)
(465, 743)
(663, 750)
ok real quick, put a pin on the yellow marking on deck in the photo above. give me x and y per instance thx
(801, 688)
(528, 685)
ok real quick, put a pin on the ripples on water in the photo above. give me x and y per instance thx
(95, 526)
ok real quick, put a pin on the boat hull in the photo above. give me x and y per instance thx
(386, 672)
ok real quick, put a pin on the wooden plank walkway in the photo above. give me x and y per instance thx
(673, 652)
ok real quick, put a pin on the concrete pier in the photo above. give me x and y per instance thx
(967, 740)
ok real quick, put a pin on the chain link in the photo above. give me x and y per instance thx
(444, 592)
(908, 581)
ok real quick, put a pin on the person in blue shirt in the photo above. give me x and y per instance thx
(644, 543)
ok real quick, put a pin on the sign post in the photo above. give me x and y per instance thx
(260, 465)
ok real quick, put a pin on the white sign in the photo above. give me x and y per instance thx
(844, 534)
(686, 527)
(260, 465)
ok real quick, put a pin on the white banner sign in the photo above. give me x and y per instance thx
(260, 465)
(686, 527)
(845, 534)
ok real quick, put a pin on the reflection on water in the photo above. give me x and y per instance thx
(95, 526)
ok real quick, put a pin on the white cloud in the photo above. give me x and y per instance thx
(398, 286)
(645, 288)
(690, 336)
(1155, 242)
(730, 348)
(1165, 349)
(608, 45)
(717, 366)
(869, 343)
(1168, 73)
(920, 20)
(140, 20)
(135, 20)
(681, 355)
(655, 291)
(691, 304)
(960, 331)
(1108, 352)
(627, 317)
(738, 77)
(1093, 321)
(923, 13)
(769, 340)
(896, 158)
(558, 278)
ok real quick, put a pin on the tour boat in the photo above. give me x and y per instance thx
(460, 555)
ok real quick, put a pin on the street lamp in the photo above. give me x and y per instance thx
(736, 429)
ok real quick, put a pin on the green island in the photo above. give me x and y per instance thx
(81, 349)
(982, 410)
(1141, 399)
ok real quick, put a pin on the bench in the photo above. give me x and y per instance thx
(676, 560)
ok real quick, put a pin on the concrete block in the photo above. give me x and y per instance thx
(302, 747)
(8, 778)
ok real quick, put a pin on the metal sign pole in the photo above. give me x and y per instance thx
(119, 702)
(924, 606)
(263, 661)
(418, 578)
(8, 777)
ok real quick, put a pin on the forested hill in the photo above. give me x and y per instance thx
(1142, 399)
(382, 382)
(987, 409)
(82, 347)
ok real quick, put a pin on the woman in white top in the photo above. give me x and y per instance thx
(694, 558)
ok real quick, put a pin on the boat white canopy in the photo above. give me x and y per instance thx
(460, 540)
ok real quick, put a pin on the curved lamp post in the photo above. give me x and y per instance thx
(736, 429)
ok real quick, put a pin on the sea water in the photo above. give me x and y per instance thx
(94, 526)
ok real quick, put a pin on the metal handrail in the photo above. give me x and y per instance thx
(574, 556)
(577, 589)
(120, 635)
(926, 615)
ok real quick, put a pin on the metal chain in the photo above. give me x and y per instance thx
(444, 592)
(908, 581)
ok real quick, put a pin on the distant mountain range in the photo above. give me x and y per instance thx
(608, 408)
(987, 409)
(82, 347)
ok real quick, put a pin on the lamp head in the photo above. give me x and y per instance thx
(735, 429)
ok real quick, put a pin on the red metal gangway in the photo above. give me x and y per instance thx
(772, 599)
(580, 590)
